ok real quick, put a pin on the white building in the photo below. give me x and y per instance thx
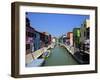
(85, 31)
(85, 36)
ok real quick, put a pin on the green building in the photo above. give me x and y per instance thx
(76, 37)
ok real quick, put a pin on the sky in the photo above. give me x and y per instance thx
(55, 24)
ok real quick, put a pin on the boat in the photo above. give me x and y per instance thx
(46, 54)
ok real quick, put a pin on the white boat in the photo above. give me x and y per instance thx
(35, 63)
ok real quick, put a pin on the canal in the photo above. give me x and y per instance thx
(60, 56)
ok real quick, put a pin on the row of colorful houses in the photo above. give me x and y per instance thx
(79, 36)
(79, 39)
(35, 39)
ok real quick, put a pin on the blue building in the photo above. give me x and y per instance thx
(36, 41)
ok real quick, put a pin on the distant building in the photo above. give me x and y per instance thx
(60, 40)
(47, 38)
(63, 39)
(53, 39)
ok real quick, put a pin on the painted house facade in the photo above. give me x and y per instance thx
(29, 37)
(47, 38)
(42, 40)
(36, 40)
(84, 31)
(76, 37)
(85, 35)
(70, 38)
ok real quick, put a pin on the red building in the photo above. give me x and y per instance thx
(47, 38)
(35, 39)
(29, 39)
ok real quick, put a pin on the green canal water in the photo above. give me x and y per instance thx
(60, 56)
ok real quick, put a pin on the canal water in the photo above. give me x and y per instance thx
(60, 56)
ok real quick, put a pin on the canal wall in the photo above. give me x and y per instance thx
(70, 49)
(77, 55)
(35, 55)
(39, 52)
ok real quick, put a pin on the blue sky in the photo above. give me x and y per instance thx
(55, 24)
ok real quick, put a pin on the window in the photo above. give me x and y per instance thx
(27, 46)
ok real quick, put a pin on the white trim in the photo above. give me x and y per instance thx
(37, 70)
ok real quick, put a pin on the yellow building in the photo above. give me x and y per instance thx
(85, 36)
(85, 31)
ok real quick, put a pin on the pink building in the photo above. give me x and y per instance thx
(70, 38)
(29, 39)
